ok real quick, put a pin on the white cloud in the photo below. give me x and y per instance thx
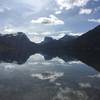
(9, 66)
(9, 29)
(36, 39)
(58, 12)
(58, 36)
(74, 62)
(75, 34)
(51, 20)
(94, 20)
(85, 11)
(58, 60)
(51, 76)
(69, 4)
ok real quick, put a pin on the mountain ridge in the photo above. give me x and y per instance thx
(20, 42)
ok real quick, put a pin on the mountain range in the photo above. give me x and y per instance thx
(19, 42)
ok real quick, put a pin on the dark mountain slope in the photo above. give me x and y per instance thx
(89, 40)
(18, 42)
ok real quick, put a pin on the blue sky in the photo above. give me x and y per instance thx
(55, 18)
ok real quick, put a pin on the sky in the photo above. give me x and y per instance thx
(54, 18)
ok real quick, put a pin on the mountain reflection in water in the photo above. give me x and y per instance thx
(50, 76)
(90, 58)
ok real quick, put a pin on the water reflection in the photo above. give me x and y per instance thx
(63, 76)
(90, 58)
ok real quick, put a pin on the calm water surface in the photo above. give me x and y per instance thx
(39, 79)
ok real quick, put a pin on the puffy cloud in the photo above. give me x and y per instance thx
(69, 4)
(94, 20)
(51, 76)
(51, 20)
(85, 11)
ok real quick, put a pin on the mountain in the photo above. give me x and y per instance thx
(56, 45)
(18, 41)
(89, 41)
(67, 38)
(47, 39)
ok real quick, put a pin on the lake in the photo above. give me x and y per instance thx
(52, 79)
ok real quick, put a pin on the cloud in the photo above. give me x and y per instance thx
(3, 9)
(85, 11)
(58, 60)
(58, 12)
(95, 76)
(75, 34)
(94, 20)
(39, 36)
(51, 76)
(69, 4)
(75, 62)
(58, 36)
(9, 29)
(36, 39)
(85, 85)
(9, 66)
(71, 94)
(51, 20)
